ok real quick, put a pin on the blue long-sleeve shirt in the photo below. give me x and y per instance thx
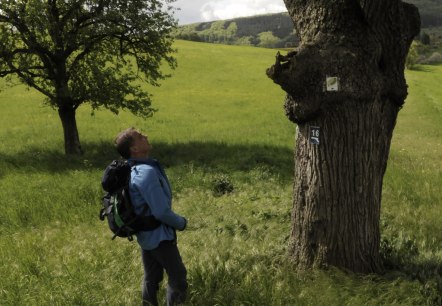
(149, 186)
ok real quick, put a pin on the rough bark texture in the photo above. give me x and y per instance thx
(338, 182)
(72, 144)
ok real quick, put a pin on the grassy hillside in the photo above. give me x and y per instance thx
(220, 120)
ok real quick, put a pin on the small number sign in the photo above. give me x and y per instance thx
(314, 135)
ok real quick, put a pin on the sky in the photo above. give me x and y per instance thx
(207, 10)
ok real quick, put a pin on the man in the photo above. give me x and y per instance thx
(149, 186)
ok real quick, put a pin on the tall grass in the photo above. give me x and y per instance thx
(219, 119)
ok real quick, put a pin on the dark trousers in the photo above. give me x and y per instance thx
(165, 257)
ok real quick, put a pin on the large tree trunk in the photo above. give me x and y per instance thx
(344, 131)
(72, 144)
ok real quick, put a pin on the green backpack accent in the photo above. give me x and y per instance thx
(117, 207)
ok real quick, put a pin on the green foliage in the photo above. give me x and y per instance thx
(267, 39)
(244, 41)
(83, 51)
(413, 55)
(218, 32)
(434, 58)
(276, 31)
(95, 52)
(425, 38)
(219, 117)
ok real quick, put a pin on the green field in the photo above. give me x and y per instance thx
(219, 119)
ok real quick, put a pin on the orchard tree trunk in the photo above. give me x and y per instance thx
(345, 86)
(72, 144)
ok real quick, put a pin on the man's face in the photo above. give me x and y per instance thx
(140, 146)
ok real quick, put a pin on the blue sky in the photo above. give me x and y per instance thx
(207, 10)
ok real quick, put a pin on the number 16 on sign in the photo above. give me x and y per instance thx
(314, 135)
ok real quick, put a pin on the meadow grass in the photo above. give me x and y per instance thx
(219, 118)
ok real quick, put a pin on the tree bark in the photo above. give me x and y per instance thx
(72, 144)
(344, 131)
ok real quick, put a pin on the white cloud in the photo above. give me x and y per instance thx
(207, 10)
(226, 9)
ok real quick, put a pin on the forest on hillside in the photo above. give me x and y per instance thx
(431, 12)
(270, 31)
(277, 31)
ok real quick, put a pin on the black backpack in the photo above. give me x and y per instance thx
(117, 206)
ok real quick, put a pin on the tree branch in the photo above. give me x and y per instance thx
(30, 40)
(30, 82)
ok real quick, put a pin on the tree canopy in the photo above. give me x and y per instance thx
(87, 51)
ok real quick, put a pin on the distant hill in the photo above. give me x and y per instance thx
(277, 31)
(273, 31)
(430, 10)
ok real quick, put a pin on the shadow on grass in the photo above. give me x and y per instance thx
(423, 68)
(219, 157)
(428, 272)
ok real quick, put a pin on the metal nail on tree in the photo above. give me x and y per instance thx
(345, 85)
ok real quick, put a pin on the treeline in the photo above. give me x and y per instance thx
(277, 30)
(270, 31)
(430, 11)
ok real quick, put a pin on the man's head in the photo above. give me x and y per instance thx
(132, 143)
